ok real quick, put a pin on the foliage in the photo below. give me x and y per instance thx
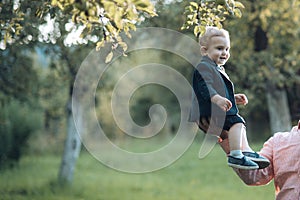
(210, 13)
(106, 19)
(99, 21)
(52, 95)
(145, 96)
(281, 58)
(19, 22)
(265, 42)
(17, 77)
(169, 15)
(18, 122)
(54, 21)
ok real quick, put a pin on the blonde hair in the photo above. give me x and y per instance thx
(210, 32)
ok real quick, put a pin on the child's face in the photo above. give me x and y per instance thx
(218, 49)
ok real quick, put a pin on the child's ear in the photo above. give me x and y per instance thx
(203, 50)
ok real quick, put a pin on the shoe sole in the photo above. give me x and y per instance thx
(262, 163)
(242, 166)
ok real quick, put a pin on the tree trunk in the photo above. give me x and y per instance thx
(72, 146)
(280, 118)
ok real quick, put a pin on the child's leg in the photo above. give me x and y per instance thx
(235, 140)
(245, 145)
(236, 157)
(224, 141)
(245, 149)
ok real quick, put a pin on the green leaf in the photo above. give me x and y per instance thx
(141, 4)
(123, 45)
(196, 30)
(237, 12)
(118, 19)
(238, 4)
(100, 45)
(194, 4)
(109, 57)
(60, 6)
(54, 3)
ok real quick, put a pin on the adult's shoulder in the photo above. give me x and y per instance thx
(282, 135)
(287, 136)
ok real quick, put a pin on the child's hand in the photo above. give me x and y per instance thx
(222, 102)
(241, 99)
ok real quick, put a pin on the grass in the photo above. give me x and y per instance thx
(187, 179)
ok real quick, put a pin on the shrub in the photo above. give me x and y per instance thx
(17, 122)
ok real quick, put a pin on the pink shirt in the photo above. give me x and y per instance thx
(283, 151)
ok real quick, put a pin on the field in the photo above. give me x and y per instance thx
(189, 178)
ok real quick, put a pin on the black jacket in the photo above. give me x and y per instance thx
(208, 80)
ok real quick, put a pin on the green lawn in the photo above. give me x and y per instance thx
(188, 178)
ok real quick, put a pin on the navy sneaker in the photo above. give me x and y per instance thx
(258, 159)
(241, 163)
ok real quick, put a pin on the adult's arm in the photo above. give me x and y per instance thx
(258, 176)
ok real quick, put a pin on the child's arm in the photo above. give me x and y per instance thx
(241, 99)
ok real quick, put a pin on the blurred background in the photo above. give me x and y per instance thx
(36, 80)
